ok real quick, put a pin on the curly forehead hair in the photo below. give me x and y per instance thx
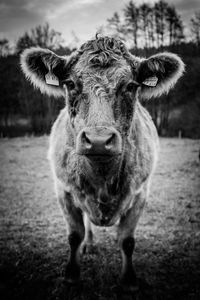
(104, 44)
(103, 51)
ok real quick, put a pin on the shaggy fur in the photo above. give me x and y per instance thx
(168, 67)
(36, 63)
(102, 82)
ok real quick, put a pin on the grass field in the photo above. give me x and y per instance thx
(33, 243)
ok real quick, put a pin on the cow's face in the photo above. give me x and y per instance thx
(101, 83)
(101, 95)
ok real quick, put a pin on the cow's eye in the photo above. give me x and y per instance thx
(131, 86)
(70, 84)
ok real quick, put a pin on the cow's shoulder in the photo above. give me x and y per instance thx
(145, 146)
(145, 130)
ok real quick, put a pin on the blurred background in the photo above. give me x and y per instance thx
(62, 26)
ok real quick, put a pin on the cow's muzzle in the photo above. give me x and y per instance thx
(99, 143)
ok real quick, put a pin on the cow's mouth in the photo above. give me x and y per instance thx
(101, 157)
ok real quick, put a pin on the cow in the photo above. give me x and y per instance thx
(103, 145)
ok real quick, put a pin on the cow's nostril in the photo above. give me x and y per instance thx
(86, 141)
(109, 143)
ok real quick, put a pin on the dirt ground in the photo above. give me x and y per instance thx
(33, 243)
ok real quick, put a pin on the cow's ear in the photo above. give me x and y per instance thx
(159, 73)
(45, 70)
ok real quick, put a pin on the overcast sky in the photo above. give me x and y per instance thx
(83, 17)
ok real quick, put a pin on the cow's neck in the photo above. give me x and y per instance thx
(102, 196)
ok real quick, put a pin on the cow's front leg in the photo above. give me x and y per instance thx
(87, 245)
(75, 228)
(126, 229)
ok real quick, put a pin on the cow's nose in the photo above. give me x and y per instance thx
(102, 142)
(98, 143)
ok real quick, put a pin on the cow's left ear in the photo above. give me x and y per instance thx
(159, 73)
(45, 70)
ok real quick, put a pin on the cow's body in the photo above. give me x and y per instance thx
(93, 190)
(104, 145)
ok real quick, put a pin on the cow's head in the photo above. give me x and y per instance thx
(101, 83)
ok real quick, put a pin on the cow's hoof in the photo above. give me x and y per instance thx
(129, 288)
(72, 273)
(129, 285)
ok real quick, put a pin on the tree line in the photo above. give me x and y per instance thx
(147, 29)
(150, 26)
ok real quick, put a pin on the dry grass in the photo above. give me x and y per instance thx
(33, 244)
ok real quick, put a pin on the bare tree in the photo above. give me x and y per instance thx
(132, 21)
(146, 23)
(171, 19)
(151, 27)
(117, 27)
(178, 31)
(41, 35)
(160, 9)
(175, 26)
(195, 27)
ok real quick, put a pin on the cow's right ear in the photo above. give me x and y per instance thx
(45, 70)
(159, 73)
